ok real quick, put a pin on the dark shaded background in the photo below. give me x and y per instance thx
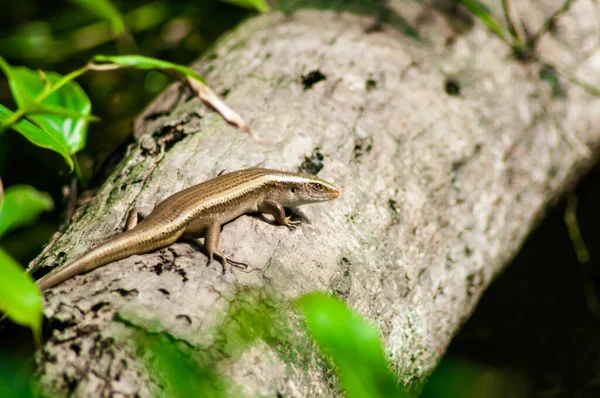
(536, 331)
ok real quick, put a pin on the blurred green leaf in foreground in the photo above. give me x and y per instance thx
(15, 378)
(179, 374)
(22, 206)
(354, 346)
(20, 299)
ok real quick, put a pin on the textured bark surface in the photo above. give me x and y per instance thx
(438, 191)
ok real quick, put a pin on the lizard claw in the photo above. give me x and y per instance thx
(224, 260)
(237, 264)
(291, 224)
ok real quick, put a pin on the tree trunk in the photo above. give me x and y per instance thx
(447, 150)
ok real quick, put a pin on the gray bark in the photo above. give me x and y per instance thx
(438, 191)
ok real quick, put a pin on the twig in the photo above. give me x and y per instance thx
(581, 251)
(569, 137)
(70, 194)
(514, 22)
(549, 23)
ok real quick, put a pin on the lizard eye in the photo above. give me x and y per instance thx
(293, 189)
(318, 187)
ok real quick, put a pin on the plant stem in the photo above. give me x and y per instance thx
(514, 23)
(20, 113)
(78, 172)
(549, 22)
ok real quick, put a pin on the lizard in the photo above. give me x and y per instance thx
(199, 212)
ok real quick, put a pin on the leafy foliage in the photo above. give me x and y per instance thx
(56, 105)
(20, 299)
(15, 379)
(59, 108)
(178, 373)
(353, 345)
(259, 5)
(482, 12)
(105, 10)
(141, 62)
(36, 135)
(22, 206)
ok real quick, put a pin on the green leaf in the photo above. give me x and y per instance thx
(550, 75)
(353, 345)
(38, 136)
(141, 62)
(481, 11)
(22, 206)
(26, 84)
(20, 298)
(43, 109)
(179, 373)
(458, 378)
(16, 375)
(105, 10)
(259, 5)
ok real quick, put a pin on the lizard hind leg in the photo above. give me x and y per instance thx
(211, 245)
(133, 219)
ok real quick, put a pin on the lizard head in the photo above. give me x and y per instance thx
(304, 189)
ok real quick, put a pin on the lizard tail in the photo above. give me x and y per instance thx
(117, 248)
